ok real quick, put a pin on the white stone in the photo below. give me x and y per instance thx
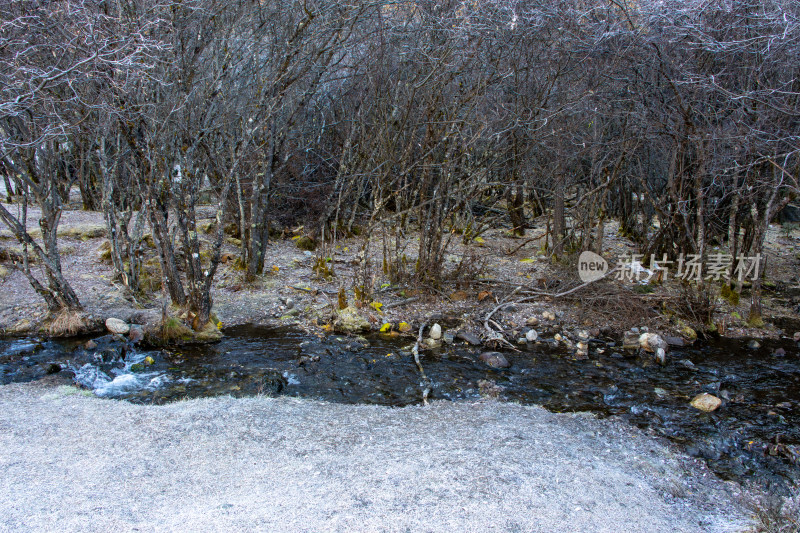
(436, 332)
(532, 335)
(115, 325)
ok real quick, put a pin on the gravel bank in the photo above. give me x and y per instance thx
(72, 462)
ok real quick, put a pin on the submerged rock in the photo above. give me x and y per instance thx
(706, 402)
(494, 359)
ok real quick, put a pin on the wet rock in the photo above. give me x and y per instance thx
(305, 359)
(349, 320)
(136, 334)
(650, 342)
(796, 336)
(558, 337)
(582, 334)
(779, 352)
(433, 343)
(494, 359)
(688, 364)
(630, 340)
(117, 326)
(706, 402)
(531, 335)
(469, 338)
(436, 332)
(448, 338)
(53, 368)
(754, 344)
(522, 340)
(90, 345)
(489, 389)
(675, 341)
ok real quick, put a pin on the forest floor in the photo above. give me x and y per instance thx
(493, 269)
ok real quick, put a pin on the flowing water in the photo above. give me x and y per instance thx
(754, 436)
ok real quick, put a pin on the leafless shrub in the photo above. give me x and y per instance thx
(697, 303)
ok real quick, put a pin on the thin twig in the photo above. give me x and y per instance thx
(402, 302)
(527, 241)
(425, 381)
(535, 294)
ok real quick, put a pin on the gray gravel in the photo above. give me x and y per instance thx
(72, 462)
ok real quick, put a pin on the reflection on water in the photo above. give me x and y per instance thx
(753, 436)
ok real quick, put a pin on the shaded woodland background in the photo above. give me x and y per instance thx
(679, 118)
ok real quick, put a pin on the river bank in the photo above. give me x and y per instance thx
(90, 464)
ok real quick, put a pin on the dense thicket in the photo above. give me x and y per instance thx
(679, 117)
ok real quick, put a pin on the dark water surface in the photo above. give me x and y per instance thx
(754, 436)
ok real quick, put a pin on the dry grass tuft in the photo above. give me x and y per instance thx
(66, 323)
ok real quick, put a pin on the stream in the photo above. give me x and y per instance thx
(753, 437)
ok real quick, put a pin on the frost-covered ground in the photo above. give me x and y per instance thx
(75, 463)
